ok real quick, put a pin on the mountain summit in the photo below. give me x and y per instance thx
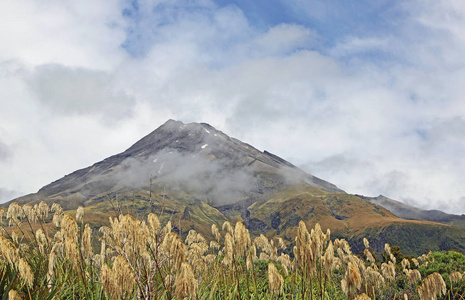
(193, 157)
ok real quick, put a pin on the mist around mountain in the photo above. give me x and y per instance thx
(194, 176)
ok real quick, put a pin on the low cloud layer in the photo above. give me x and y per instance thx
(366, 96)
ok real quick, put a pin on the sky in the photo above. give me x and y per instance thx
(368, 95)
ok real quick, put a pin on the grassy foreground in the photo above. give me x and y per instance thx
(141, 259)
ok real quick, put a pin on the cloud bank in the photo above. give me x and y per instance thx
(368, 96)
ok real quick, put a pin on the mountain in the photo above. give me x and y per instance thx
(193, 157)
(409, 212)
(195, 175)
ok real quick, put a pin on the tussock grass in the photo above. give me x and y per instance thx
(143, 258)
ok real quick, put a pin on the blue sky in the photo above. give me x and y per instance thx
(364, 94)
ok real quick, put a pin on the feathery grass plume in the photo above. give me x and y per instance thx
(198, 249)
(362, 297)
(228, 249)
(249, 263)
(389, 270)
(86, 244)
(14, 213)
(285, 262)
(57, 218)
(253, 251)
(153, 223)
(200, 238)
(59, 248)
(281, 244)
(329, 260)
(431, 287)
(261, 242)
(210, 259)
(241, 239)
(69, 227)
(29, 212)
(52, 259)
(369, 256)
(373, 279)
(167, 240)
(71, 251)
(214, 245)
(191, 237)
(186, 285)
(9, 251)
(106, 280)
(56, 208)
(318, 240)
(103, 246)
(41, 240)
(405, 264)
(13, 295)
(167, 228)
(177, 249)
(366, 243)
(2, 213)
(123, 276)
(413, 276)
(275, 280)
(25, 272)
(216, 232)
(310, 257)
(345, 246)
(415, 262)
(352, 280)
(393, 258)
(301, 242)
(15, 237)
(80, 214)
(228, 227)
(129, 235)
(455, 277)
(341, 254)
(44, 209)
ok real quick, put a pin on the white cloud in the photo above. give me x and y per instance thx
(78, 90)
(76, 33)
(369, 123)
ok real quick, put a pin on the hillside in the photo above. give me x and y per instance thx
(409, 212)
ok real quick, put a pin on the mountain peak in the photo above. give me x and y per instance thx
(190, 157)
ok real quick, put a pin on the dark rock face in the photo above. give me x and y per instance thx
(191, 157)
(258, 225)
(187, 213)
(275, 220)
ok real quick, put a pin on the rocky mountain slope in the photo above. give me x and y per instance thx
(195, 175)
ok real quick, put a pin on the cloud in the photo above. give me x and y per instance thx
(79, 90)
(5, 152)
(217, 181)
(6, 194)
(84, 33)
(367, 96)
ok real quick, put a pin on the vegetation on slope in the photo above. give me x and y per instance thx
(138, 258)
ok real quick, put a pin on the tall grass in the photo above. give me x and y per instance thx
(62, 257)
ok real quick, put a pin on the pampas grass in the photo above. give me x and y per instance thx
(141, 259)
